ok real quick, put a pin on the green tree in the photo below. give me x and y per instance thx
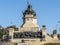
(1, 33)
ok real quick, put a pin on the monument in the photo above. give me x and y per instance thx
(29, 33)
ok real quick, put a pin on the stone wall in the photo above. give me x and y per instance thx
(52, 44)
(29, 43)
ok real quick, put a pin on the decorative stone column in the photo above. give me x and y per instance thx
(11, 31)
(43, 32)
(55, 36)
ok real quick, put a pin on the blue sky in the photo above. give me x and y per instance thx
(48, 12)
